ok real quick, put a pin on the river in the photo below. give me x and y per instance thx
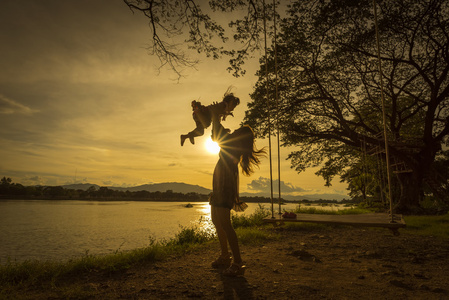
(64, 229)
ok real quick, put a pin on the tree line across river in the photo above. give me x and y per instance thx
(10, 190)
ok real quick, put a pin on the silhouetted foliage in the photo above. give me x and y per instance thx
(17, 191)
(329, 84)
(9, 190)
(175, 24)
(330, 91)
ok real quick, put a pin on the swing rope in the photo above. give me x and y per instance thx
(380, 170)
(370, 220)
(277, 102)
(277, 107)
(268, 108)
(387, 154)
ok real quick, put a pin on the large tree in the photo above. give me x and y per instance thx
(330, 87)
(329, 81)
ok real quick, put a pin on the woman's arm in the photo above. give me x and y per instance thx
(218, 131)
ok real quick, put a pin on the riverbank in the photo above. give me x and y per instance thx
(296, 262)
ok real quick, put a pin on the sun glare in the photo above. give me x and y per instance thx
(212, 147)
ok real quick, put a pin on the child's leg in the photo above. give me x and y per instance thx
(202, 120)
(198, 131)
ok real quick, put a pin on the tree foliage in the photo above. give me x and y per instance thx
(9, 190)
(330, 88)
(176, 23)
(329, 85)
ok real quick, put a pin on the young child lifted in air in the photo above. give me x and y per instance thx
(202, 115)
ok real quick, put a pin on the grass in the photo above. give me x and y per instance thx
(437, 226)
(31, 272)
(15, 274)
(346, 211)
(255, 219)
(250, 230)
(254, 235)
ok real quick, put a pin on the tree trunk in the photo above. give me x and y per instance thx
(411, 193)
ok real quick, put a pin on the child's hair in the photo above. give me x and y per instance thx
(196, 103)
(249, 155)
(229, 96)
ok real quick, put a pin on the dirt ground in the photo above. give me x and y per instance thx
(311, 263)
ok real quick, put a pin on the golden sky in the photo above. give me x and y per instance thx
(81, 100)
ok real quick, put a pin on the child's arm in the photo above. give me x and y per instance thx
(217, 128)
(221, 109)
(227, 113)
(218, 108)
(228, 109)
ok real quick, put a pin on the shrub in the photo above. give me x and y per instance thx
(192, 235)
(255, 219)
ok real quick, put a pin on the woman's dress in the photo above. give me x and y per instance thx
(225, 184)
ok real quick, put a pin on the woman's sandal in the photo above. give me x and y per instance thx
(222, 262)
(235, 270)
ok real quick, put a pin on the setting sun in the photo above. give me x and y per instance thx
(211, 146)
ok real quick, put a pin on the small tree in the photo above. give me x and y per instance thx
(6, 181)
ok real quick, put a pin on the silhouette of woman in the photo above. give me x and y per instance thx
(236, 148)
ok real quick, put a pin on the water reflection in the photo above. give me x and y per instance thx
(205, 221)
(49, 230)
(204, 208)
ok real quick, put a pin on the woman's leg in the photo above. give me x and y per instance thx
(224, 216)
(220, 231)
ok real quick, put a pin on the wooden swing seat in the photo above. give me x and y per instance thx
(359, 220)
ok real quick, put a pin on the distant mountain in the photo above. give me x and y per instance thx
(176, 187)
(179, 187)
(80, 186)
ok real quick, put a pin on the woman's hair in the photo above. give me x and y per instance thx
(249, 154)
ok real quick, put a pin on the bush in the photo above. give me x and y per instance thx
(192, 235)
(255, 219)
(349, 211)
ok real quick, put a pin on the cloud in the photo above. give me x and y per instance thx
(263, 185)
(208, 173)
(9, 106)
(34, 180)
